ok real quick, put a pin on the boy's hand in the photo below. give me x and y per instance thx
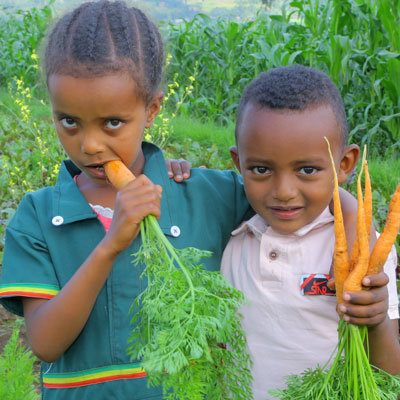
(135, 201)
(178, 169)
(367, 307)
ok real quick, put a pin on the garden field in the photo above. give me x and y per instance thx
(208, 63)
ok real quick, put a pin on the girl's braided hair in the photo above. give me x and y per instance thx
(103, 37)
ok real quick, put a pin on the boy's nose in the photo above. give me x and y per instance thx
(284, 189)
(91, 142)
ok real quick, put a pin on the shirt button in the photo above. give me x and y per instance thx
(273, 255)
(175, 231)
(57, 220)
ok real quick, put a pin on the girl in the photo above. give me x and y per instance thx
(67, 263)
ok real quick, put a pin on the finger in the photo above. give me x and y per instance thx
(376, 280)
(169, 168)
(372, 321)
(331, 280)
(185, 167)
(331, 284)
(159, 188)
(140, 185)
(363, 311)
(366, 297)
(177, 170)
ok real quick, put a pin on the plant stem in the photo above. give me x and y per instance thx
(152, 222)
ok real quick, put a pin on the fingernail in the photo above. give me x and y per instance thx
(342, 308)
(346, 318)
(346, 297)
(366, 281)
(185, 175)
(170, 173)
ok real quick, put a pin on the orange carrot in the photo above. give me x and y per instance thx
(388, 236)
(118, 174)
(367, 199)
(340, 258)
(367, 209)
(353, 281)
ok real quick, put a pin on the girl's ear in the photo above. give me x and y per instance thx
(235, 156)
(348, 162)
(153, 108)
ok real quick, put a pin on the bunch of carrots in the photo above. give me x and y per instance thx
(351, 376)
(182, 317)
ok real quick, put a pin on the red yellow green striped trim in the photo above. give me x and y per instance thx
(92, 376)
(29, 290)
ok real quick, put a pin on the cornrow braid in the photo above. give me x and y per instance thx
(125, 39)
(103, 37)
(149, 46)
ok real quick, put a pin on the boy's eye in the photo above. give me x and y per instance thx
(113, 124)
(308, 170)
(261, 170)
(68, 122)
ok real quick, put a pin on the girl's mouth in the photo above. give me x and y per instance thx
(286, 213)
(97, 171)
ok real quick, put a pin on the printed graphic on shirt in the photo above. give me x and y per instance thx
(315, 285)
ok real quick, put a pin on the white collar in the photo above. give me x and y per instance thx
(258, 226)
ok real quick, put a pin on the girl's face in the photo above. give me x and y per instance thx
(101, 119)
(285, 164)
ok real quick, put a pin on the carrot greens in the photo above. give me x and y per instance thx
(186, 327)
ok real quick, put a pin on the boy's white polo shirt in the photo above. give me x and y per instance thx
(287, 331)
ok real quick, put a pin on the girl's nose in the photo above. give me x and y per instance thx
(91, 142)
(284, 188)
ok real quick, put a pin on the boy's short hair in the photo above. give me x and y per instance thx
(294, 87)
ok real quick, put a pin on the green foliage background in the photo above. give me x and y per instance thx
(357, 42)
(210, 60)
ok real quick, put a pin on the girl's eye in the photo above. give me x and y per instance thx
(261, 170)
(308, 171)
(68, 122)
(113, 124)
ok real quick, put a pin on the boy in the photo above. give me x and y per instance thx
(281, 153)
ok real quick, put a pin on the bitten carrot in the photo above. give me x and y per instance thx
(340, 258)
(388, 236)
(353, 281)
(118, 174)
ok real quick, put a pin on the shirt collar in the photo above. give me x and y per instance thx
(69, 204)
(258, 226)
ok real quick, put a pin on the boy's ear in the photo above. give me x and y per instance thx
(348, 162)
(153, 108)
(235, 156)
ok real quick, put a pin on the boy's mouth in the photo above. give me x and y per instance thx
(286, 212)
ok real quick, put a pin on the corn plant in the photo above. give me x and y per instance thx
(355, 41)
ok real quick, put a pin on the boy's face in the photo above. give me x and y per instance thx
(284, 160)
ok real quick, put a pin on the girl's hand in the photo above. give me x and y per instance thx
(178, 169)
(367, 307)
(135, 201)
